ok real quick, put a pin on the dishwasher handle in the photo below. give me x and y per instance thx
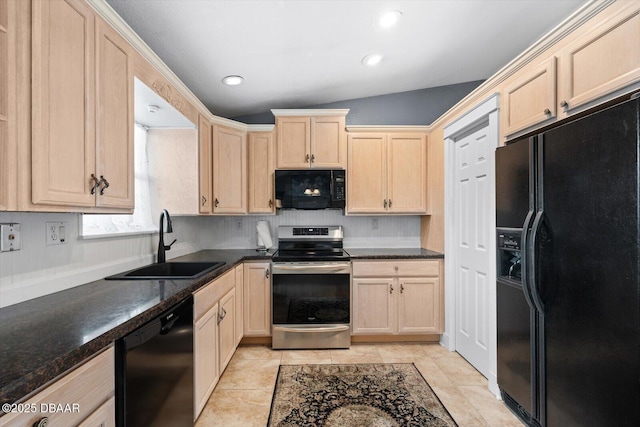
(161, 325)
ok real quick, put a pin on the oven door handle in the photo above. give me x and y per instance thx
(310, 330)
(340, 268)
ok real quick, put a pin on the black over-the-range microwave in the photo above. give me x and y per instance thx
(310, 189)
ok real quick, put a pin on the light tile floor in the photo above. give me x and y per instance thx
(242, 398)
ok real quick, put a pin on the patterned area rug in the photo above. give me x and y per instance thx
(380, 395)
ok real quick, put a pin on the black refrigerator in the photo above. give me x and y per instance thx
(568, 288)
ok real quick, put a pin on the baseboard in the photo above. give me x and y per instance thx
(394, 338)
(256, 341)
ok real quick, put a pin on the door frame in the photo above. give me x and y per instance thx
(486, 111)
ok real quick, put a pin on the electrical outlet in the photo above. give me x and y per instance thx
(10, 237)
(56, 233)
(239, 225)
(374, 223)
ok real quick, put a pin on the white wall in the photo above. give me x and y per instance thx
(38, 269)
(391, 232)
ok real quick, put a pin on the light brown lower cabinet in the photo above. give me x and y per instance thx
(257, 299)
(397, 297)
(226, 328)
(88, 390)
(215, 338)
(239, 303)
(205, 353)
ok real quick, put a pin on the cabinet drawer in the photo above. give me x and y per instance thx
(395, 268)
(208, 295)
(84, 390)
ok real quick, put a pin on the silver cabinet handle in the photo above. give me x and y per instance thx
(564, 104)
(313, 158)
(306, 159)
(385, 203)
(204, 200)
(94, 187)
(547, 112)
(389, 203)
(401, 288)
(216, 202)
(390, 289)
(266, 273)
(104, 181)
(312, 330)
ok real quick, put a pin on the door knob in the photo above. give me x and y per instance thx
(547, 112)
(564, 104)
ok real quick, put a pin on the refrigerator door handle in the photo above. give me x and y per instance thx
(531, 252)
(524, 259)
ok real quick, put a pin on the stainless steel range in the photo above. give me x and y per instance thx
(311, 289)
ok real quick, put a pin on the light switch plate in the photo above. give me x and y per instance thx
(10, 237)
(56, 233)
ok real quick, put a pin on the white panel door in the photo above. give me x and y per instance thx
(473, 211)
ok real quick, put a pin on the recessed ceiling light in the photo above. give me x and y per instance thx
(152, 108)
(371, 60)
(389, 19)
(233, 80)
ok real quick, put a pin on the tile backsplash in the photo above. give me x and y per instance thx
(38, 269)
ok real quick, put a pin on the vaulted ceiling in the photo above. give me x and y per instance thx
(295, 53)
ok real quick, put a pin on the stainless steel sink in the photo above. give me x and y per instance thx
(169, 270)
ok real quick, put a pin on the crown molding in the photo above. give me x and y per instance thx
(310, 112)
(260, 128)
(388, 128)
(570, 24)
(106, 12)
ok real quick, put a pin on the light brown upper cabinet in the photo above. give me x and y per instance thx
(310, 141)
(261, 170)
(204, 160)
(229, 171)
(82, 94)
(602, 61)
(597, 66)
(532, 98)
(387, 173)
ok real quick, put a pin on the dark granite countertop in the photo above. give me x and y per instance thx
(44, 337)
(394, 253)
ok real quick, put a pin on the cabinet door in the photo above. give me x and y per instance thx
(206, 373)
(257, 299)
(293, 142)
(229, 171)
(104, 416)
(114, 125)
(86, 387)
(204, 162)
(239, 303)
(419, 305)
(603, 61)
(328, 142)
(261, 170)
(373, 306)
(367, 174)
(63, 110)
(7, 56)
(407, 173)
(226, 328)
(531, 99)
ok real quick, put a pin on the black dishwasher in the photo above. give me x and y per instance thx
(154, 371)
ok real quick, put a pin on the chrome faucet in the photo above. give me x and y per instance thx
(161, 246)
